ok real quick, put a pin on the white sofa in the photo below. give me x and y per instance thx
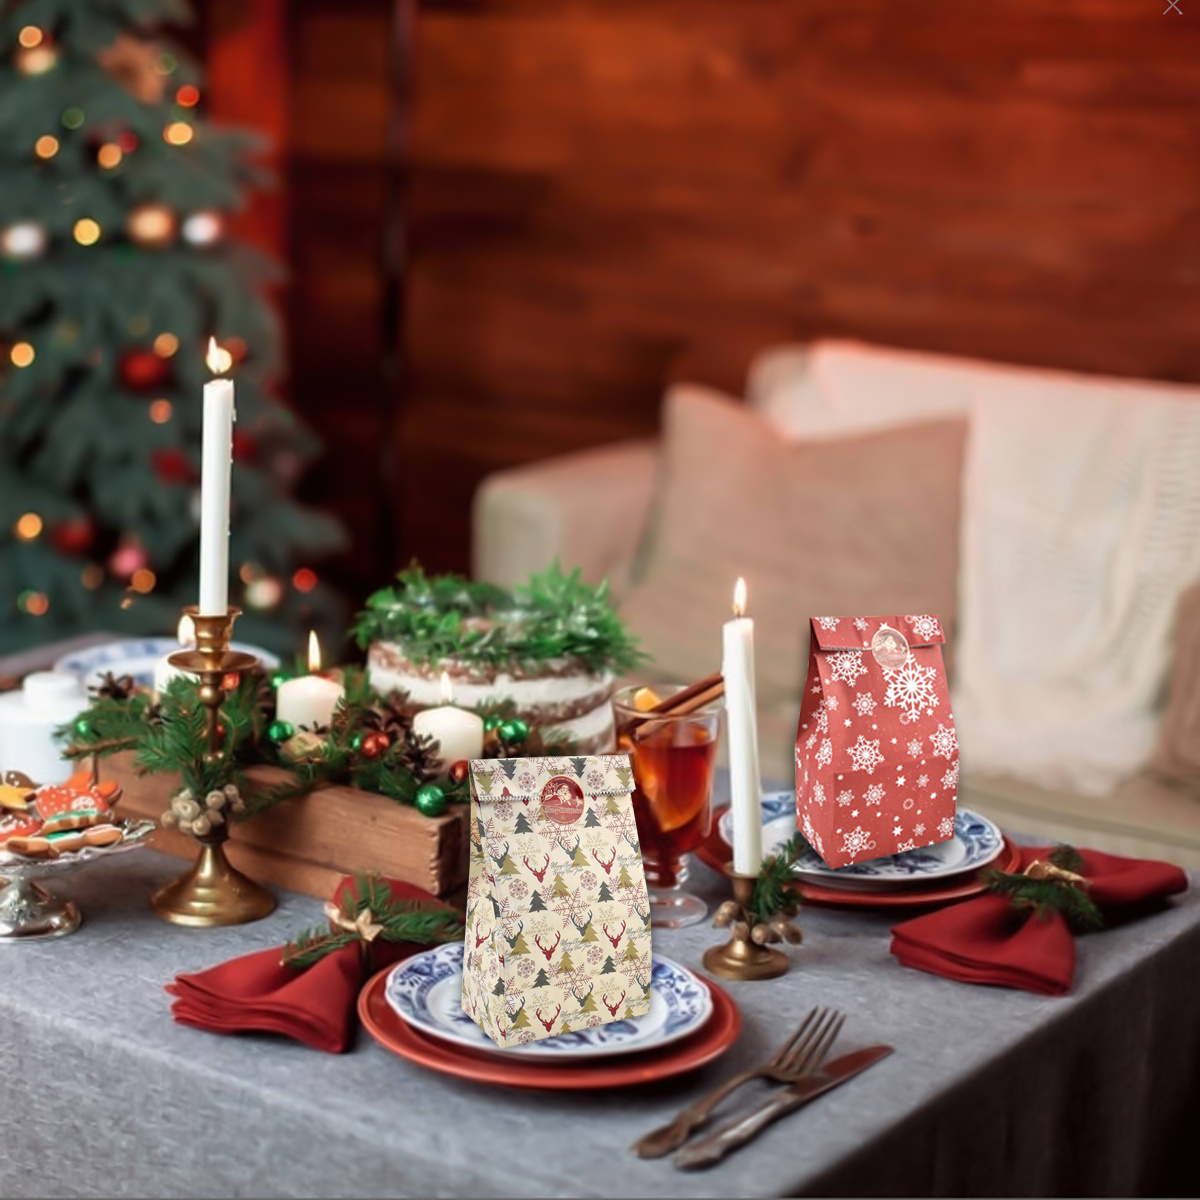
(591, 510)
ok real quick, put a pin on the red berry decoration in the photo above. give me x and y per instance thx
(171, 465)
(458, 772)
(73, 537)
(375, 743)
(245, 446)
(230, 680)
(143, 370)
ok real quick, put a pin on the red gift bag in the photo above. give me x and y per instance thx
(876, 751)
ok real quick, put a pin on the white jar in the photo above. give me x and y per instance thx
(28, 719)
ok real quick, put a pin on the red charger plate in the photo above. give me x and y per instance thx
(717, 853)
(392, 1033)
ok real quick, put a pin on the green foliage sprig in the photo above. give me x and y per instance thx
(554, 615)
(398, 920)
(1045, 897)
(771, 893)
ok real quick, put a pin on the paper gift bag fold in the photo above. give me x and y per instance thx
(876, 749)
(558, 917)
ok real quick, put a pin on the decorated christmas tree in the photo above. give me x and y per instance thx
(117, 269)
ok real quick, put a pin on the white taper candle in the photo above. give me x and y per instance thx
(215, 469)
(741, 720)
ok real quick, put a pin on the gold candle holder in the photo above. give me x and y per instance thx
(213, 891)
(742, 957)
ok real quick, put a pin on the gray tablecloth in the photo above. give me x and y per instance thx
(990, 1092)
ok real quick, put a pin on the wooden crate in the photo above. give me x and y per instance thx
(308, 844)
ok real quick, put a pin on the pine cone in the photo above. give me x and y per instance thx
(388, 716)
(115, 687)
(420, 756)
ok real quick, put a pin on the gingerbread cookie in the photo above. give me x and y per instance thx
(16, 790)
(76, 804)
(18, 825)
(103, 835)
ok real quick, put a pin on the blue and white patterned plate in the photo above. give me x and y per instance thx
(426, 991)
(136, 657)
(976, 842)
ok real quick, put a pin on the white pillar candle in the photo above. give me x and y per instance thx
(164, 672)
(310, 699)
(745, 784)
(458, 733)
(215, 467)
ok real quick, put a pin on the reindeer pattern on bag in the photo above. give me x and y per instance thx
(558, 917)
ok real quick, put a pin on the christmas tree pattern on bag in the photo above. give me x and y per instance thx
(558, 917)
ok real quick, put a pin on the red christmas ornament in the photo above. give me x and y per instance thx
(171, 465)
(458, 772)
(143, 371)
(245, 446)
(375, 743)
(73, 537)
(230, 680)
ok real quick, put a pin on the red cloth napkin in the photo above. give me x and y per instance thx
(315, 1005)
(986, 941)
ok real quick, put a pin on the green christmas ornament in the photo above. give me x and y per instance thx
(431, 800)
(356, 742)
(515, 731)
(278, 677)
(492, 723)
(280, 731)
(83, 727)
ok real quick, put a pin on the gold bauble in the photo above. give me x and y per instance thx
(152, 226)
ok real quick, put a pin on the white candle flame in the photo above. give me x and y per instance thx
(218, 359)
(739, 598)
(314, 652)
(447, 690)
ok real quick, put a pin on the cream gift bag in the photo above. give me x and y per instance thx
(558, 918)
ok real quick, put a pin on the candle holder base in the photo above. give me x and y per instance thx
(744, 957)
(744, 961)
(211, 893)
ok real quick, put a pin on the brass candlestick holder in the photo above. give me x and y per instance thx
(213, 892)
(746, 955)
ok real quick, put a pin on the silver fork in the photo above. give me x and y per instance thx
(803, 1052)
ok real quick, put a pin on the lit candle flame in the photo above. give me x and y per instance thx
(314, 652)
(185, 631)
(218, 359)
(447, 690)
(739, 597)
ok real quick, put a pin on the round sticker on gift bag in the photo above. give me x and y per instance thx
(889, 648)
(562, 798)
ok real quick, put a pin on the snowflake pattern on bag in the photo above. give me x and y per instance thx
(892, 744)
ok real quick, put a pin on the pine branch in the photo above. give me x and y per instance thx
(1045, 897)
(772, 893)
(401, 921)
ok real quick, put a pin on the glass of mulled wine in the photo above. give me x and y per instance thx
(674, 758)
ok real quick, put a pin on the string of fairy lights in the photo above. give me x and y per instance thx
(151, 226)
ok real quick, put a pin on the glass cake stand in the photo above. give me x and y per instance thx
(28, 912)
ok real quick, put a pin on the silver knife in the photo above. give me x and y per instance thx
(710, 1150)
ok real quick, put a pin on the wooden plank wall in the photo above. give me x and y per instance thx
(609, 194)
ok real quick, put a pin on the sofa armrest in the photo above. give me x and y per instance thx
(587, 510)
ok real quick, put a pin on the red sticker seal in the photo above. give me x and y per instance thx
(562, 798)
